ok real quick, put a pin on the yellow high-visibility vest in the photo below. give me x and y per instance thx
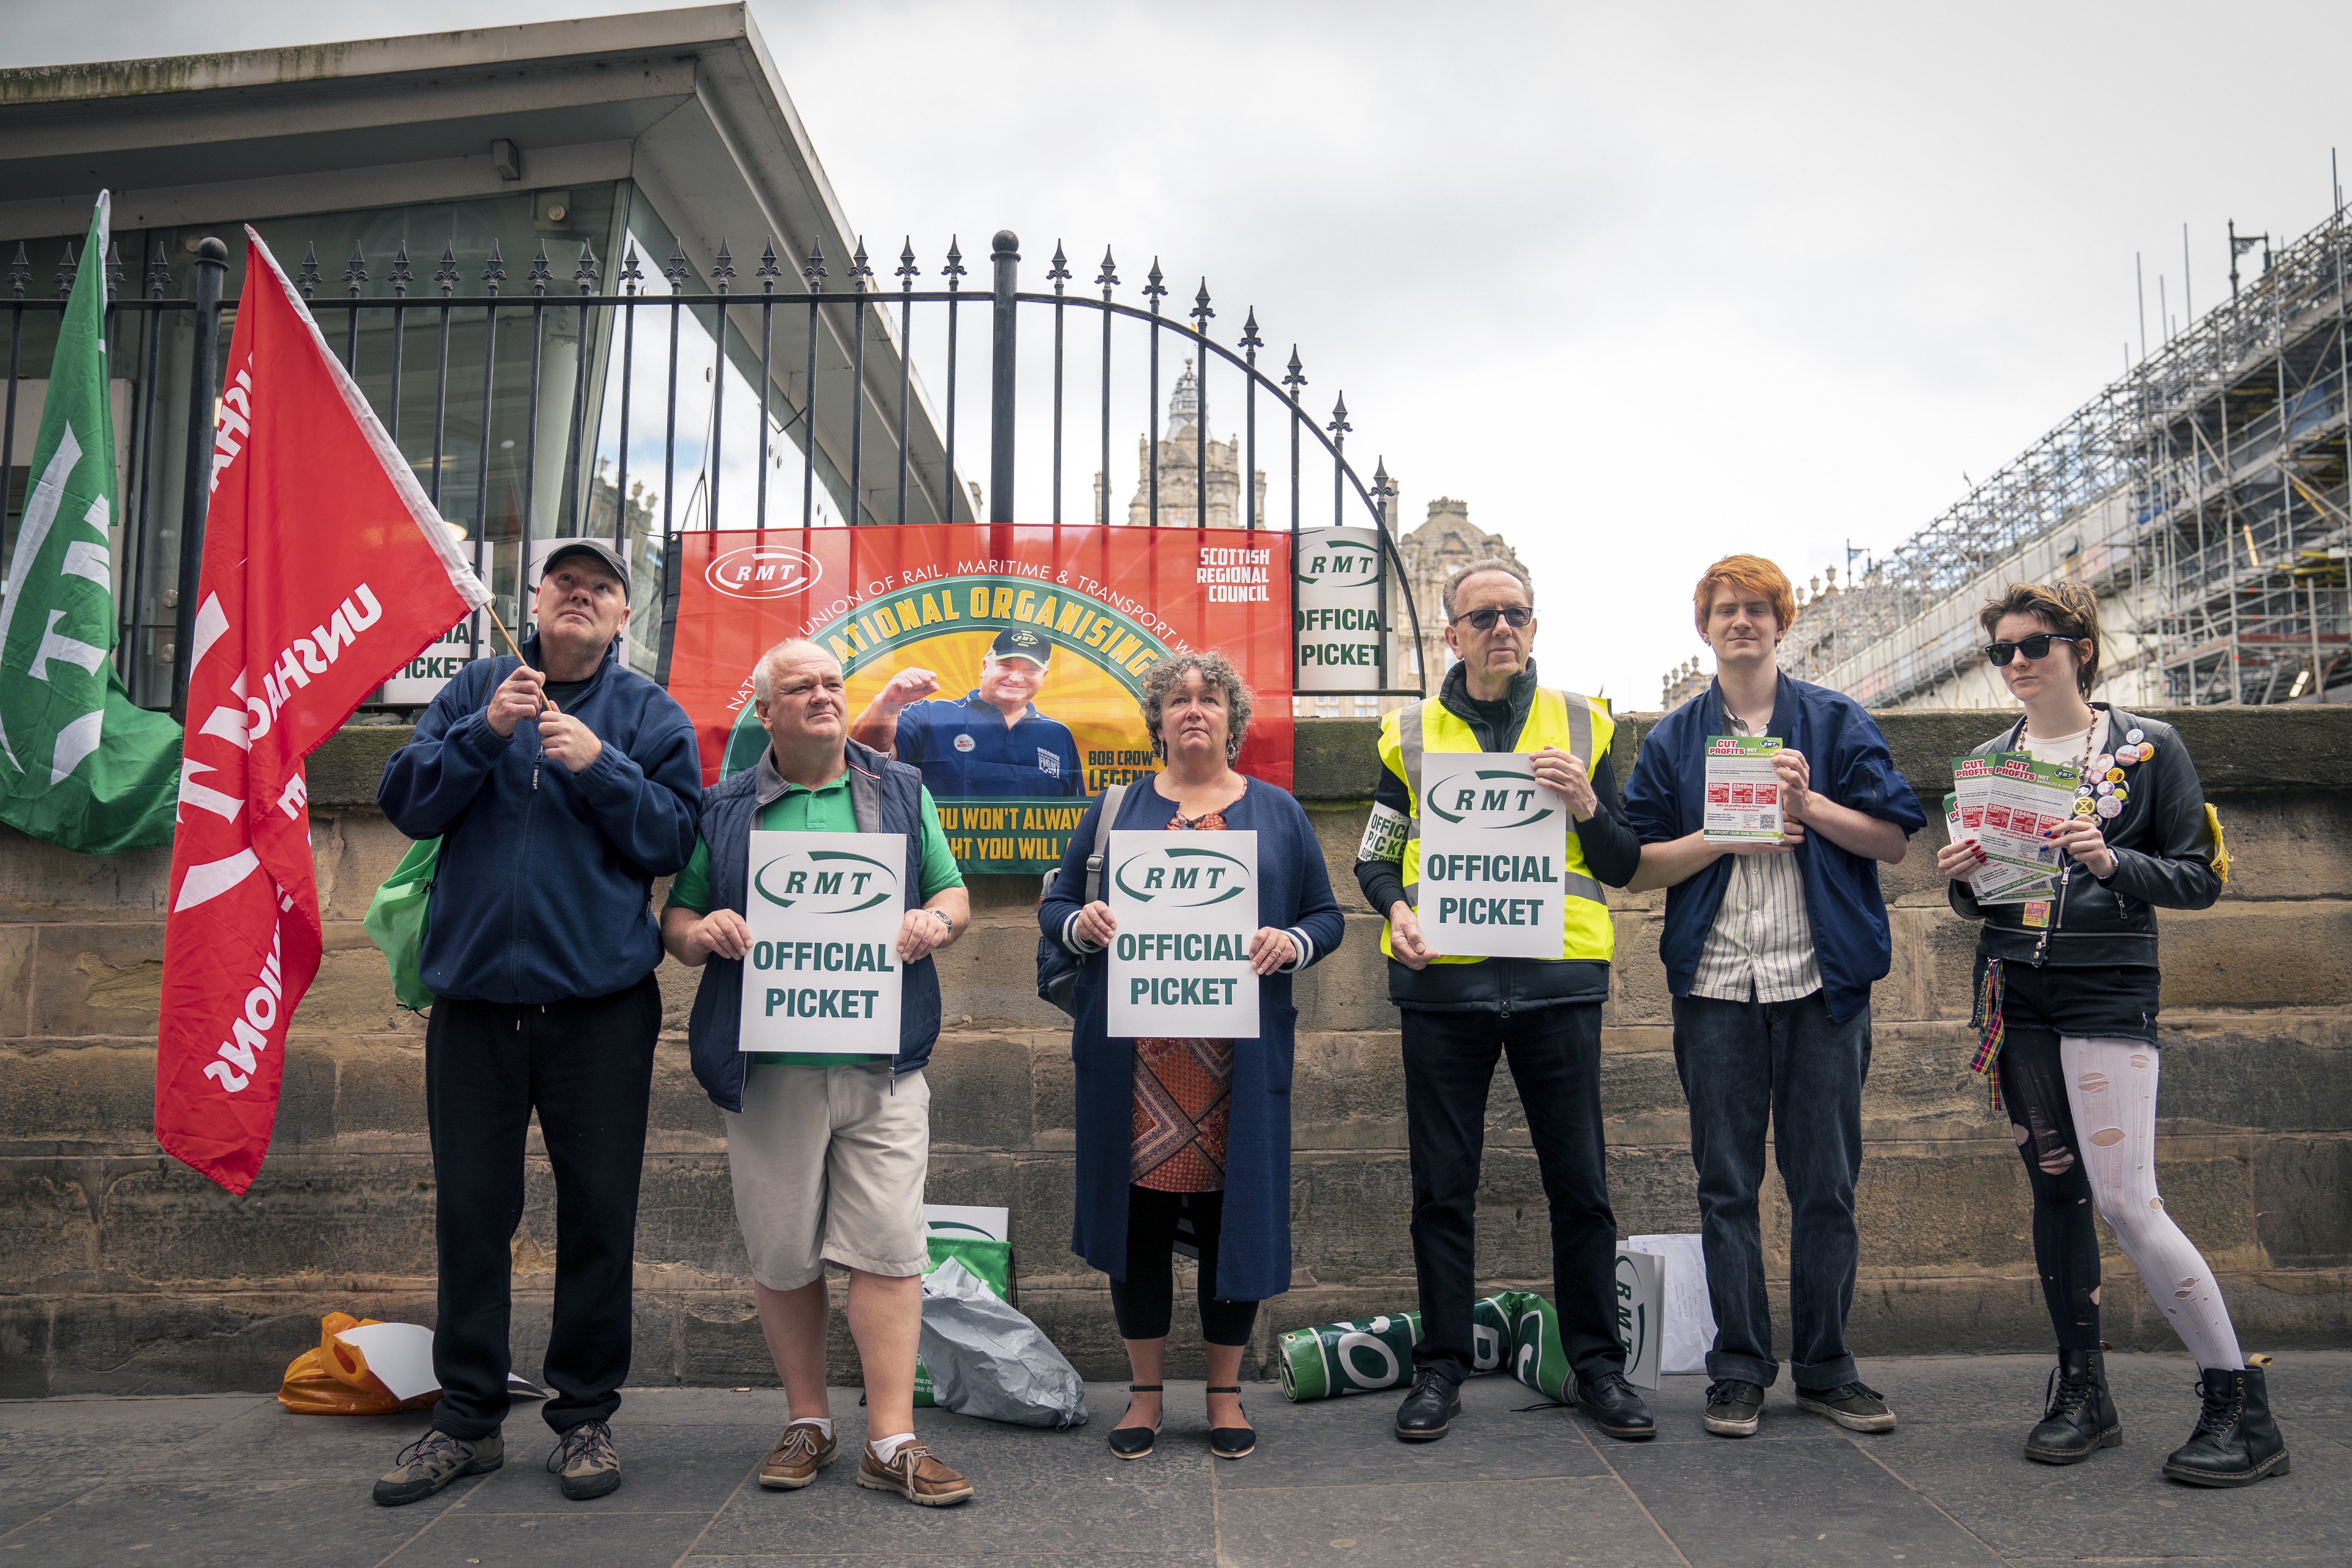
(1575, 724)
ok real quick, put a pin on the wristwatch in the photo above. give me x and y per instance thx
(946, 920)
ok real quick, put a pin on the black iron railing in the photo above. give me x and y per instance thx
(499, 337)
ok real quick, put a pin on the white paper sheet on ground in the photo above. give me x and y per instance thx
(1690, 1319)
(959, 1219)
(401, 1357)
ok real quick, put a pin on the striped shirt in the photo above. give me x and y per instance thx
(1762, 943)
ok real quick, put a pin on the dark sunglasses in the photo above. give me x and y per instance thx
(2035, 646)
(1511, 615)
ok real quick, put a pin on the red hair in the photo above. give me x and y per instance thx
(1750, 574)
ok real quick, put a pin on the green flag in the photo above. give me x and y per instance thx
(78, 764)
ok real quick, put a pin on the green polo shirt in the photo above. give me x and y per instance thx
(826, 810)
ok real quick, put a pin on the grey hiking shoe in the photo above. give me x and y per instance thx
(587, 1460)
(1855, 1406)
(433, 1461)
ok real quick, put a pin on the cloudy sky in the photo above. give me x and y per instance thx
(1641, 284)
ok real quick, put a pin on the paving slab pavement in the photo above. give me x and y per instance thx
(233, 1479)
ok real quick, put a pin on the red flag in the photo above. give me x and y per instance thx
(325, 571)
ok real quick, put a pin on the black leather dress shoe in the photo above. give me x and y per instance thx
(1429, 1409)
(1613, 1405)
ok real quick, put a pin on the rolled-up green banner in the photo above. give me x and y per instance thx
(1514, 1329)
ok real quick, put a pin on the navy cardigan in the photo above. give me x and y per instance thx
(1850, 764)
(1294, 894)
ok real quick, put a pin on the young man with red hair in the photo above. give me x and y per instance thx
(1770, 951)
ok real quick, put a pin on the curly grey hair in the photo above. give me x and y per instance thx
(1217, 670)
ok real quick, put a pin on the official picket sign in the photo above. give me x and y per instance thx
(1186, 904)
(1338, 623)
(1494, 846)
(824, 911)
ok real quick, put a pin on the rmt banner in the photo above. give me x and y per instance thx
(824, 911)
(1494, 845)
(1007, 661)
(1186, 904)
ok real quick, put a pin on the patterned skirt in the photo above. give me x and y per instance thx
(1184, 1098)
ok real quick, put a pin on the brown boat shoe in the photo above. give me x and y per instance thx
(914, 1475)
(797, 1456)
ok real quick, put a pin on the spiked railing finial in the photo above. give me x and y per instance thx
(676, 270)
(1298, 376)
(585, 274)
(114, 270)
(1059, 273)
(355, 271)
(722, 267)
(1153, 287)
(401, 275)
(1340, 426)
(813, 270)
(1109, 275)
(860, 269)
(907, 271)
(539, 277)
(1250, 340)
(158, 273)
(1199, 311)
(767, 272)
(494, 271)
(20, 271)
(309, 280)
(447, 276)
(632, 274)
(954, 268)
(66, 270)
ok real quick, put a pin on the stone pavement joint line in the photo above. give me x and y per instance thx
(197, 1480)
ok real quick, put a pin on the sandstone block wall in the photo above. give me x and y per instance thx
(121, 1271)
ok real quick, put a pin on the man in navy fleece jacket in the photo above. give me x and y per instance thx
(561, 785)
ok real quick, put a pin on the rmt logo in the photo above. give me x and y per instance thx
(763, 572)
(1491, 797)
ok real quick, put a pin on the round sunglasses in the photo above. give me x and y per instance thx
(2035, 646)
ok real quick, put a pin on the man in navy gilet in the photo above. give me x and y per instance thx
(827, 1152)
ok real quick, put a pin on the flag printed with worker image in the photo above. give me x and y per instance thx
(1005, 662)
(79, 765)
(325, 571)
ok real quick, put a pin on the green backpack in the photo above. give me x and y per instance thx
(396, 921)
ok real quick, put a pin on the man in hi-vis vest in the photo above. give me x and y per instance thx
(1544, 1013)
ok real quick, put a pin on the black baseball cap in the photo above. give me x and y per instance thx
(1020, 642)
(604, 554)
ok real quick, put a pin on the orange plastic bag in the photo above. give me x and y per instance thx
(334, 1380)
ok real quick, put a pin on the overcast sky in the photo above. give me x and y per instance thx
(1641, 284)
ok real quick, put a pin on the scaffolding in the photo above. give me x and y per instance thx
(2203, 496)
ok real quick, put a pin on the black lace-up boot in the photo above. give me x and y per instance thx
(2236, 1442)
(2078, 1414)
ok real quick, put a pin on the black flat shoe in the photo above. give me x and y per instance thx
(1429, 1410)
(1230, 1442)
(1135, 1442)
(1613, 1405)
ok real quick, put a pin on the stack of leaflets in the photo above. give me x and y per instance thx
(1743, 793)
(2005, 801)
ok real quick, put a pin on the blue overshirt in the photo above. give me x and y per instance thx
(965, 749)
(1850, 764)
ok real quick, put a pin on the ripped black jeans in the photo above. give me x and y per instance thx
(2038, 1006)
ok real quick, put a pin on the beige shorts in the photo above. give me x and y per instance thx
(828, 1163)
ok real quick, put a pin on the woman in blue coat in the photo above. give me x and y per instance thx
(1173, 1129)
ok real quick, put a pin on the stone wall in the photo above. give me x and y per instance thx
(122, 1272)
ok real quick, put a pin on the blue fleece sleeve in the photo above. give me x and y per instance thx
(429, 782)
(1652, 802)
(649, 803)
(1318, 912)
(1068, 895)
(1864, 777)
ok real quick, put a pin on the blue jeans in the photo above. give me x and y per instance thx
(1737, 1061)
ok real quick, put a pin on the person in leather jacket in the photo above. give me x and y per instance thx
(2066, 1003)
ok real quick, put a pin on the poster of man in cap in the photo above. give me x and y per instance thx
(991, 743)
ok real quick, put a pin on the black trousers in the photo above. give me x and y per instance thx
(1449, 1066)
(1146, 1300)
(586, 1066)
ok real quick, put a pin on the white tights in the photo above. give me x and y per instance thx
(2111, 1087)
